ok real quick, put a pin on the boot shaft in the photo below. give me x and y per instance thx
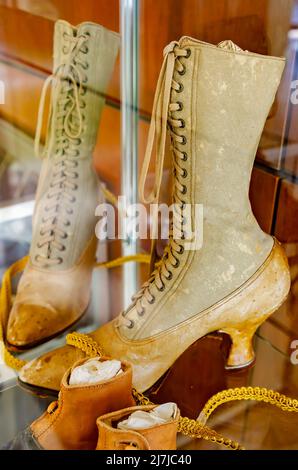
(84, 58)
(68, 189)
(159, 437)
(225, 95)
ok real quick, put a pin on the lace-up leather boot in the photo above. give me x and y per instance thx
(70, 422)
(54, 290)
(213, 101)
(158, 437)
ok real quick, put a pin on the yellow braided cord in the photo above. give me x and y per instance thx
(5, 306)
(109, 196)
(86, 344)
(248, 393)
(192, 428)
(139, 258)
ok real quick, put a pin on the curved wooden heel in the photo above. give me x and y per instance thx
(241, 352)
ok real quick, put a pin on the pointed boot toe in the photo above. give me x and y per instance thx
(30, 325)
(46, 372)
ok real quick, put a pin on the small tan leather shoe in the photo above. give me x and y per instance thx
(70, 422)
(158, 437)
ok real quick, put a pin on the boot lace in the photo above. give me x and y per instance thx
(69, 84)
(163, 121)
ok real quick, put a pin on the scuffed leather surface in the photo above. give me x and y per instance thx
(49, 302)
(226, 99)
(72, 426)
(161, 437)
(246, 308)
(23, 441)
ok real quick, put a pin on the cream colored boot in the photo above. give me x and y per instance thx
(215, 100)
(54, 290)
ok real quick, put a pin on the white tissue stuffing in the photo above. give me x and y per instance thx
(94, 371)
(147, 419)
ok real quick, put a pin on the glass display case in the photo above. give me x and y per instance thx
(30, 51)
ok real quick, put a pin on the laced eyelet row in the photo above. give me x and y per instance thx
(67, 141)
(173, 250)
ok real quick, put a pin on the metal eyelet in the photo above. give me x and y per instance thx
(181, 88)
(85, 66)
(86, 50)
(184, 158)
(180, 105)
(161, 289)
(182, 122)
(184, 175)
(131, 325)
(63, 248)
(182, 72)
(142, 313)
(60, 260)
(184, 140)
(181, 249)
(184, 190)
(151, 301)
(188, 53)
(177, 264)
(87, 33)
(170, 276)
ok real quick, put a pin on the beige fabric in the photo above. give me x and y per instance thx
(226, 96)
